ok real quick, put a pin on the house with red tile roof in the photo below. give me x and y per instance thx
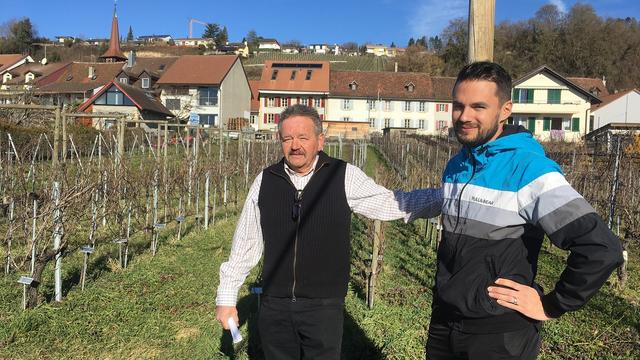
(285, 83)
(215, 87)
(391, 100)
(118, 98)
(622, 107)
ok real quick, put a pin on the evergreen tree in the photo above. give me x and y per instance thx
(130, 34)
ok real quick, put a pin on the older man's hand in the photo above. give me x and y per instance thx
(223, 313)
(521, 298)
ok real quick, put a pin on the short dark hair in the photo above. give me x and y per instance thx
(301, 110)
(488, 71)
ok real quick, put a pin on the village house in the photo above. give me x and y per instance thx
(215, 87)
(319, 48)
(155, 39)
(20, 82)
(391, 100)
(240, 49)
(617, 115)
(266, 45)
(284, 83)
(194, 42)
(553, 107)
(119, 98)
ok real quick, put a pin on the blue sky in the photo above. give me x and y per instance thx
(330, 21)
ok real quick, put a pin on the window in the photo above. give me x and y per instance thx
(523, 96)
(371, 104)
(346, 104)
(274, 74)
(293, 75)
(553, 96)
(113, 96)
(372, 122)
(410, 87)
(353, 86)
(208, 119)
(387, 122)
(407, 106)
(591, 122)
(407, 123)
(422, 106)
(173, 104)
(422, 124)
(566, 124)
(208, 96)
(284, 102)
(145, 83)
(317, 102)
(304, 101)
(442, 107)
(271, 102)
(253, 118)
(124, 80)
(441, 125)
(308, 77)
(29, 77)
(271, 118)
(346, 118)
(387, 105)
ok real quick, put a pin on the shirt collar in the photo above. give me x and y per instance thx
(290, 172)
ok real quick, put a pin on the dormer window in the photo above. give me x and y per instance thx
(410, 87)
(274, 74)
(308, 77)
(124, 80)
(145, 83)
(29, 77)
(6, 77)
(353, 86)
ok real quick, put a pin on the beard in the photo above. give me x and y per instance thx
(481, 137)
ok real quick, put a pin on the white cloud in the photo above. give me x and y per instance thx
(562, 7)
(434, 15)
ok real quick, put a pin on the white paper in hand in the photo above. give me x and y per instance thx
(235, 333)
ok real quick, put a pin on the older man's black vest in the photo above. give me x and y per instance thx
(320, 255)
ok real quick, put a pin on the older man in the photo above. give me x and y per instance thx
(299, 212)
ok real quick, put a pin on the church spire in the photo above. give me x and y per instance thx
(114, 54)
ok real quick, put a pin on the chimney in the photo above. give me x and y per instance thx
(396, 67)
(131, 61)
(92, 72)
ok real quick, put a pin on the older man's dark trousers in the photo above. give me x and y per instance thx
(302, 329)
(447, 342)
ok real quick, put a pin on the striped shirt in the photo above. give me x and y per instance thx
(364, 197)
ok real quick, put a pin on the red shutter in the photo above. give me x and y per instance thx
(446, 107)
(289, 102)
(437, 107)
(298, 100)
(277, 102)
(321, 117)
(277, 118)
(322, 102)
(265, 118)
(310, 103)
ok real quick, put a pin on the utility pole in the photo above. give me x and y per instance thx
(481, 30)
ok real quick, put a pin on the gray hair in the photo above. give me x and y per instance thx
(301, 110)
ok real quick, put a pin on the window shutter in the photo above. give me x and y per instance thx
(322, 102)
(516, 95)
(437, 107)
(546, 124)
(265, 118)
(298, 100)
(531, 126)
(575, 124)
(321, 117)
(277, 102)
(310, 103)
(446, 107)
(530, 96)
(277, 118)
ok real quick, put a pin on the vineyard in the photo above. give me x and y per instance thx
(112, 246)
(338, 62)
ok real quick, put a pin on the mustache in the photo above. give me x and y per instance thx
(296, 152)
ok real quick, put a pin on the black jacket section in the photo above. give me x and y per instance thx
(316, 245)
(594, 253)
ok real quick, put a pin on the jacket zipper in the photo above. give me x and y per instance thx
(295, 241)
(473, 173)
